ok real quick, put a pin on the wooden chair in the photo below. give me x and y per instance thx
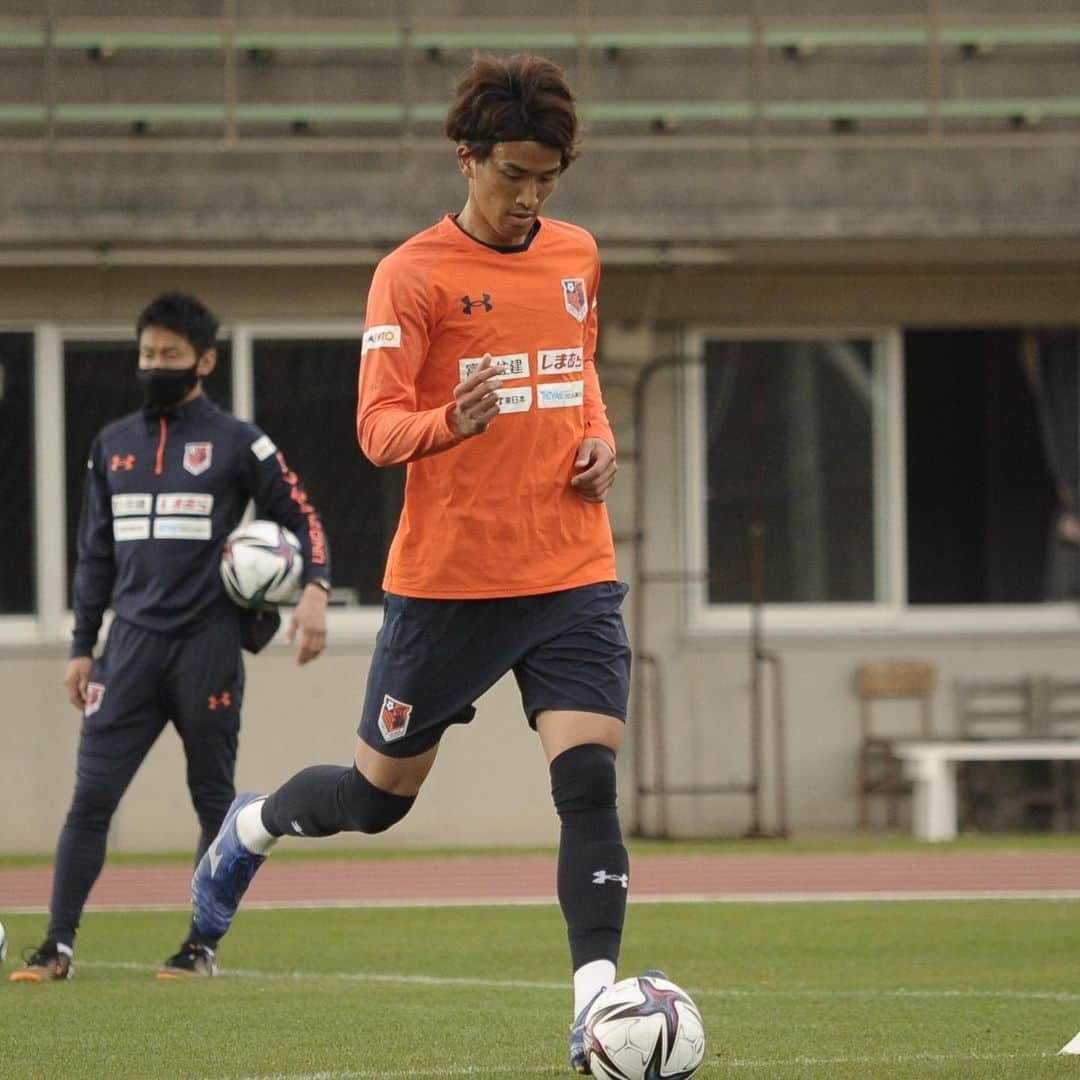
(879, 770)
(1059, 701)
(998, 794)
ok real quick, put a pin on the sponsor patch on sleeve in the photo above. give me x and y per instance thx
(263, 447)
(381, 337)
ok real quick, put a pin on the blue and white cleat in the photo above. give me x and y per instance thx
(579, 1060)
(223, 874)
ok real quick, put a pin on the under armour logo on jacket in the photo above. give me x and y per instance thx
(122, 461)
(602, 877)
(468, 303)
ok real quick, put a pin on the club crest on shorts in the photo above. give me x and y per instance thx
(574, 297)
(197, 457)
(95, 691)
(394, 718)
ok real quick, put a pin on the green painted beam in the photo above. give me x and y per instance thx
(1012, 35)
(21, 38)
(331, 113)
(390, 112)
(328, 39)
(995, 107)
(202, 112)
(495, 39)
(794, 37)
(83, 38)
(856, 110)
(669, 39)
(86, 36)
(676, 110)
(18, 113)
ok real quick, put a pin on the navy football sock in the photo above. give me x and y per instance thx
(593, 873)
(326, 799)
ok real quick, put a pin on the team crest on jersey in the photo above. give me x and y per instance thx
(95, 691)
(394, 718)
(197, 457)
(574, 297)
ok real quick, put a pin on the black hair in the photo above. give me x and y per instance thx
(518, 99)
(184, 315)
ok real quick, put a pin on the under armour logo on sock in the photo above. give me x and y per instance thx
(602, 877)
(295, 826)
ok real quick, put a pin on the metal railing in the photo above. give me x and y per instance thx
(756, 118)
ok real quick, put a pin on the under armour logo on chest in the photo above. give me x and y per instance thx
(468, 303)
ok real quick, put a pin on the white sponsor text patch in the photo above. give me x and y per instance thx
(179, 528)
(516, 399)
(514, 365)
(381, 337)
(560, 395)
(559, 360)
(126, 505)
(263, 447)
(131, 529)
(184, 502)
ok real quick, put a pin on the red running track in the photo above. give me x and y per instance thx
(508, 879)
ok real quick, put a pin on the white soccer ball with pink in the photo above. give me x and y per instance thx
(261, 565)
(644, 1028)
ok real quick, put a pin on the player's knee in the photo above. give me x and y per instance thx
(583, 779)
(93, 807)
(368, 809)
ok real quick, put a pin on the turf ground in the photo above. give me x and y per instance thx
(985, 988)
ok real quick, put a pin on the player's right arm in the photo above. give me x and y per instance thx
(95, 572)
(391, 427)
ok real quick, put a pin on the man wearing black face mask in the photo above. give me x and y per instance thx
(165, 486)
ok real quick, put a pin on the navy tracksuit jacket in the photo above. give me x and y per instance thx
(162, 493)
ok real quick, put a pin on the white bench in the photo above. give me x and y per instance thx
(931, 768)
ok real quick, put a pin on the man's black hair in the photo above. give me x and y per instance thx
(184, 315)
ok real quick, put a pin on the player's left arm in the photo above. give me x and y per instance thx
(279, 496)
(594, 465)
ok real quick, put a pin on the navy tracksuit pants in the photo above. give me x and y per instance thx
(142, 680)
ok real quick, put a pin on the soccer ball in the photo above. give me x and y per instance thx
(261, 565)
(644, 1027)
(3, 944)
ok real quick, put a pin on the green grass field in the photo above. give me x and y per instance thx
(830, 990)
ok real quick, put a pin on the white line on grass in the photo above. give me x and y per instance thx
(801, 1063)
(771, 1064)
(407, 1074)
(547, 901)
(536, 984)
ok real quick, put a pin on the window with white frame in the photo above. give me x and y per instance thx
(17, 476)
(305, 399)
(909, 472)
(993, 461)
(60, 385)
(788, 444)
(99, 386)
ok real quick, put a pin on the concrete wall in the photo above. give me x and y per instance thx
(490, 784)
(817, 235)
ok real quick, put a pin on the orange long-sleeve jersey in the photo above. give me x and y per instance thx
(493, 515)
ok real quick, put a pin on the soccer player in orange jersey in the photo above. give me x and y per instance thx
(478, 371)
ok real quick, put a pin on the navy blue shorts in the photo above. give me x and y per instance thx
(433, 658)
